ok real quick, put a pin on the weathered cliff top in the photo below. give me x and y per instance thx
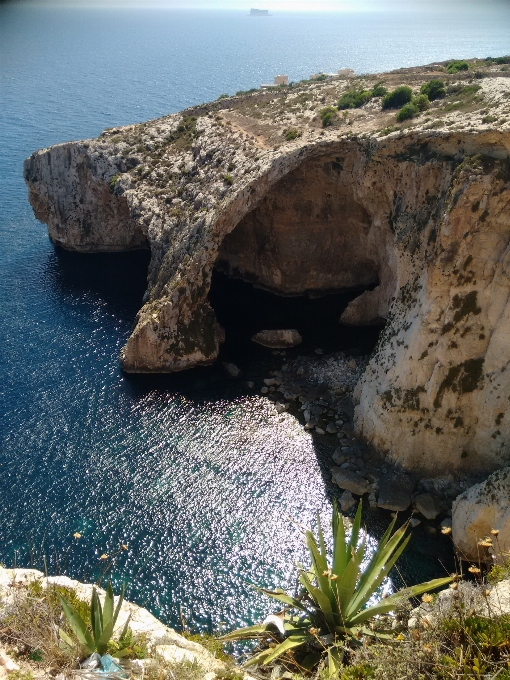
(416, 213)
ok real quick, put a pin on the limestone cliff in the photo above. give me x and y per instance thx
(417, 213)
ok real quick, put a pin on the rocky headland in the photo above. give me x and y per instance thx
(414, 215)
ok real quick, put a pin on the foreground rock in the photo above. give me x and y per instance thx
(417, 215)
(478, 511)
(395, 492)
(351, 481)
(161, 639)
(279, 339)
(484, 600)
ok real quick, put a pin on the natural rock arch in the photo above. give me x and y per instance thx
(429, 213)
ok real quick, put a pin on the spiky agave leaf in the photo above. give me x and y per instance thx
(389, 603)
(96, 616)
(335, 658)
(247, 633)
(282, 596)
(335, 598)
(78, 626)
(377, 570)
(108, 605)
(292, 641)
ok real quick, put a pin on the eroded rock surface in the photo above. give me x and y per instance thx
(416, 217)
(479, 510)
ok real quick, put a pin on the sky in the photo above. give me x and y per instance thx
(272, 5)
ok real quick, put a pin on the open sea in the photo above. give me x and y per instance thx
(195, 473)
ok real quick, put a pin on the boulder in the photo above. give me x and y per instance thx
(278, 339)
(7, 664)
(498, 603)
(351, 481)
(479, 510)
(428, 505)
(346, 501)
(231, 369)
(395, 491)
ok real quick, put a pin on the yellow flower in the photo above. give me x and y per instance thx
(326, 573)
(427, 598)
(446, 530)
(474, 570)
(334, 577)
(494, 532)
(400, 637)
(486, 543)
(104, 556)
(77, 534)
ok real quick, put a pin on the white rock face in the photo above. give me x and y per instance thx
(480, 509)
(499, 599)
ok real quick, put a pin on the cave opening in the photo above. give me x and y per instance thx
(306, 251)
(243, 309)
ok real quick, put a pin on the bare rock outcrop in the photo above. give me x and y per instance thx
(477, 512)
(161, 639)
(416, 217)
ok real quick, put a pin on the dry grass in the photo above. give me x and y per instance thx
(30, 622)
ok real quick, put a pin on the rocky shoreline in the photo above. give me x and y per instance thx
(321, 393)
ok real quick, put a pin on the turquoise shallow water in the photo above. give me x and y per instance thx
(195, 474)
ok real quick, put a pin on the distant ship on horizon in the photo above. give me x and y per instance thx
(259, 12)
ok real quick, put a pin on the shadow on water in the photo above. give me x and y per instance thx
(117, 279)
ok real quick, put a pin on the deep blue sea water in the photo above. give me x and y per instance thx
(194, 473)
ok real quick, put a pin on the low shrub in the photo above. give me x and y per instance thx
(354, 99)
(250, 91)
(113, 182)
(223, 96)
(421, 102)
(327, 115)
(499, 572)
(228, 179)
(499, 60)
(379, 90)
(471, 89)
(408, 111)
(434, 89)
(291, 133)
(456, 66)
(397, 98)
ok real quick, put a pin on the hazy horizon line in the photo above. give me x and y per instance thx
(278, 6)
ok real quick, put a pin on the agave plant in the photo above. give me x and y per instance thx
(102, 620)
(333, 606)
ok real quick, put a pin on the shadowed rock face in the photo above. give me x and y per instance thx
(422, 215)
(307, 234)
